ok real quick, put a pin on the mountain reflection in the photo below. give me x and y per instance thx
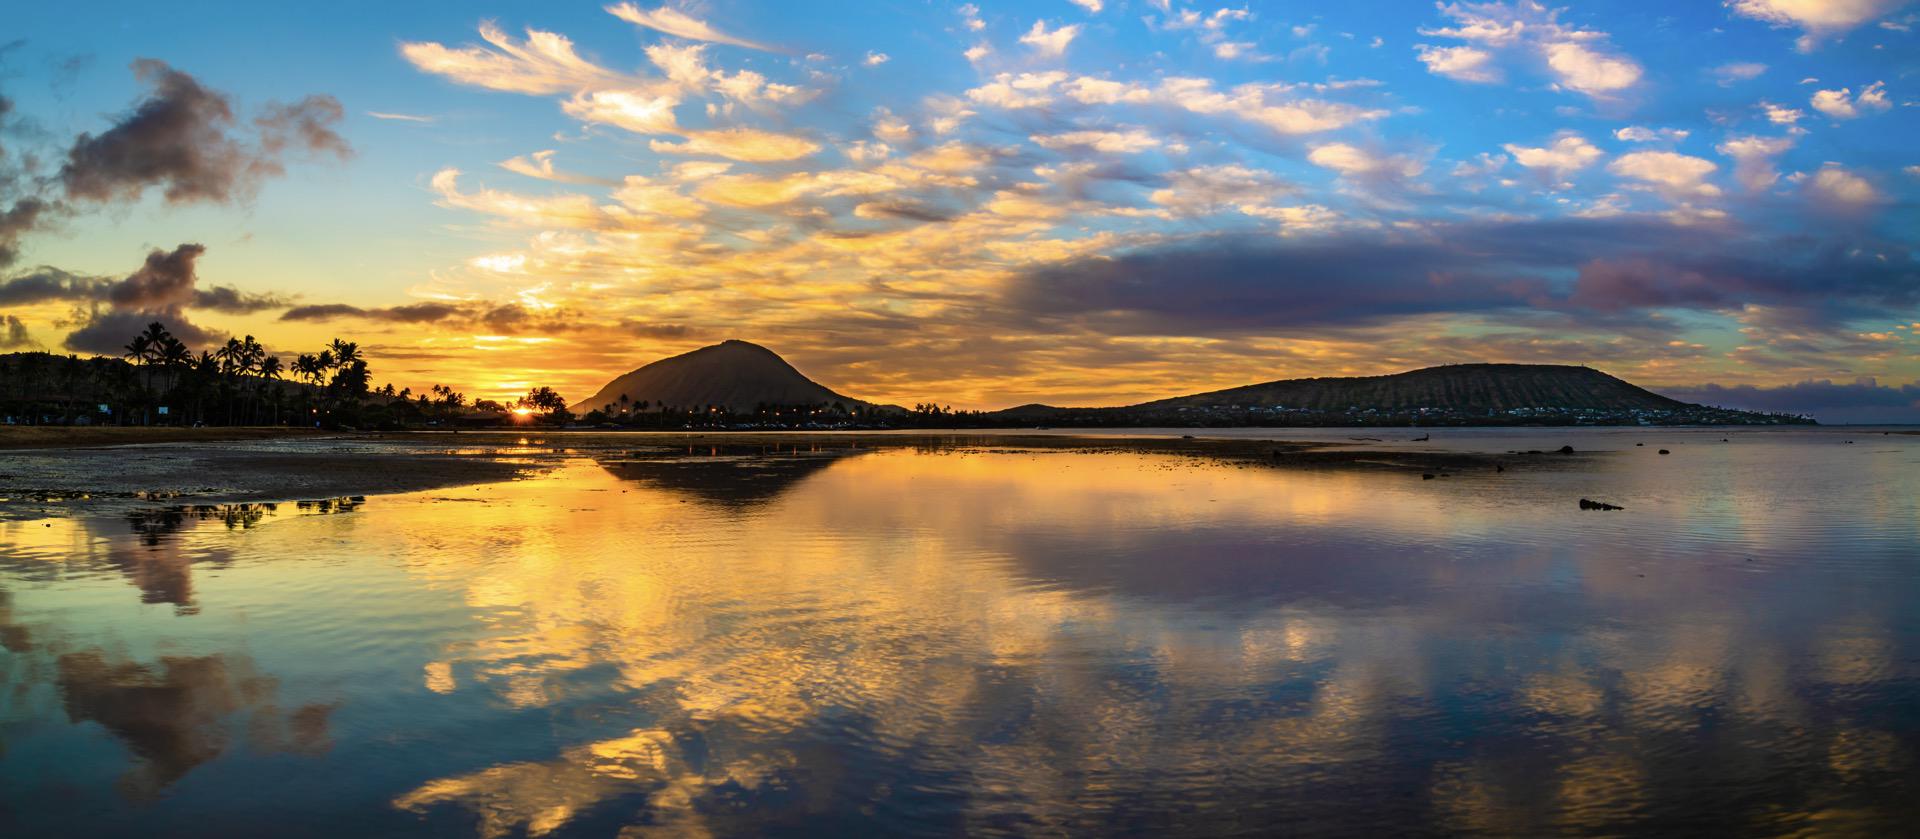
(728, 474)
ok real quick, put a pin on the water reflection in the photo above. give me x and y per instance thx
(1005, 641)
(160, 561)
(171, 715)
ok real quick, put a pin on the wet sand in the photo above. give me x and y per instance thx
(67, 437)
(56, 481)
(89, 474)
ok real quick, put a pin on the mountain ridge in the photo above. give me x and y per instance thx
(736, 375)
(741, 377)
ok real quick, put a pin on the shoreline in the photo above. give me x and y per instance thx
(32, 437)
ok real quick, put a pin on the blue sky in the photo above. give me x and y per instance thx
(990, 203)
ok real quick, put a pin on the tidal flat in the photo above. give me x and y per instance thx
(1162, 631)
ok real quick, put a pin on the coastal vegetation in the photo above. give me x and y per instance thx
(160, 381)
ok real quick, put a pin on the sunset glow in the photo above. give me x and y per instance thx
(1083, 203)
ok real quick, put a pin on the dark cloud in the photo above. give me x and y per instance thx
(13, 333)
(657, 330)
(21, 210)
(906, 210)
(179, 138)
(1229, 284)
(50, 284)
(106, 332)
(411, 313)
(1863, 400)
(1594, 272)
(506, 318)
(167, 280)
(15, 223)
(162, 290)
(306, 125)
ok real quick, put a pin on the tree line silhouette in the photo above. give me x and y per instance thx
(159, 380)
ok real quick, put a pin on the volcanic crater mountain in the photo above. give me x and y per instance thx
(1459, 387)
(742, 377)
(735, 375)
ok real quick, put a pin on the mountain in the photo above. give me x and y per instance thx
(735, 374)
(1455, 394)
(1459, 387)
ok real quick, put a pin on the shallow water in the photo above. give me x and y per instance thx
(989, 639)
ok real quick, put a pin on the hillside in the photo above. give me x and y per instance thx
(1459, 387)
(1458, 394)
(736, 375)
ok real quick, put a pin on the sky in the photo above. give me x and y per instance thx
(1081, 202)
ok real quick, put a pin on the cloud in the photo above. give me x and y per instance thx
(177, 138)
(1864, 400)
(1675, 175)
(540, 165)
(1753, 159)
(1780, 114)
(1364, 166)
(748, 144)
(544, 63)
(1252, 284)
(167, 281)
(164, 288)
(1203, 190)
(1835, 186)
(1462, 63)
(1818, 19)
(677, 23)
(875, 59)
(1568, 154)
(410, 313)
(1577, 58)
(1836, 104)
(50, 284)
(1641, 134)
(13, 334)
(16, 222)
(1128, 141)
(1052, 44)
(1093, 7)
(1589, 71)
(1737, 71)
(503, 319)
(400, 117)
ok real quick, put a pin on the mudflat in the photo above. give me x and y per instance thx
(63, 437)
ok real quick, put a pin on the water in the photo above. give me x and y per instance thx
(985, 638)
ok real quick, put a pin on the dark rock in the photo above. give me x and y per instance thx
(1426, 476)
(1589, 504)
(1566, 450)
(1664, 451)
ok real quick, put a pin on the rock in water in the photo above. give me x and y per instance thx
(1589, 504)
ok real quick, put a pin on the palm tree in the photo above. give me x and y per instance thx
(139, 350)
(345, 353)
(174, 356)
(270, 372)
